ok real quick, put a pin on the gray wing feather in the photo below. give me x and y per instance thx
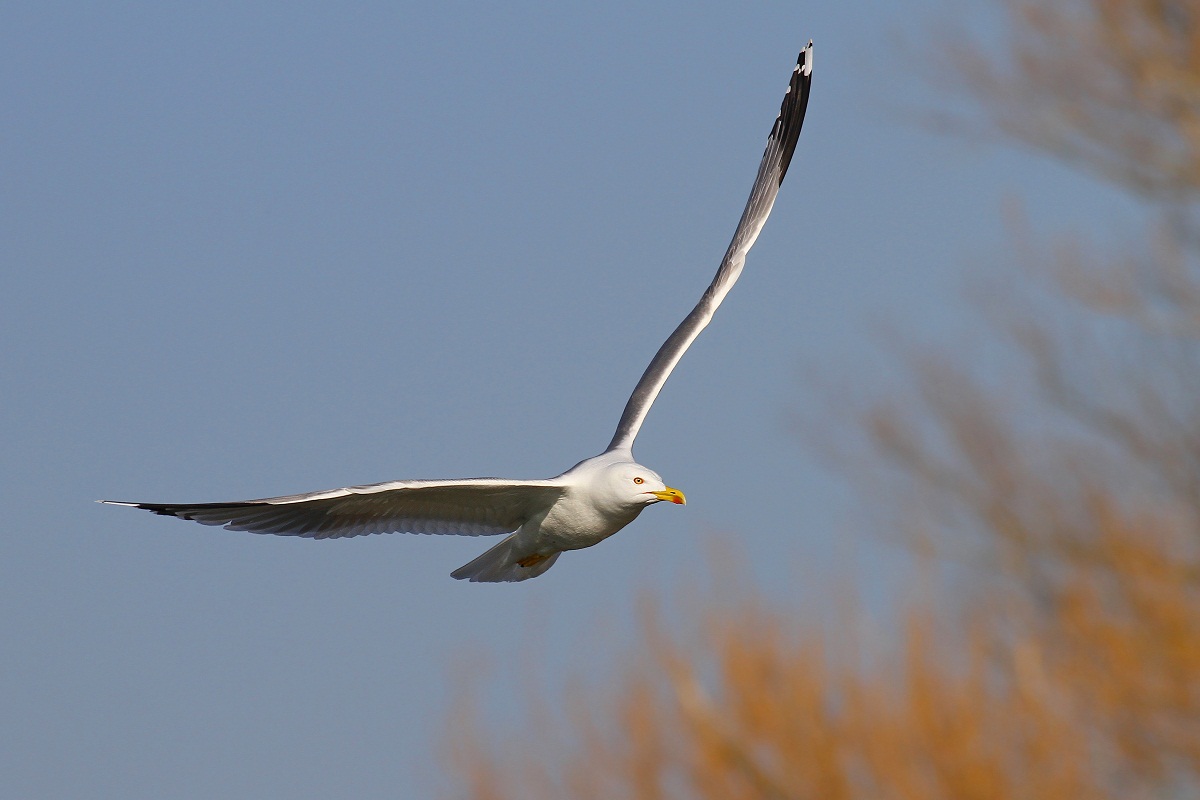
(781, 144)
(472, 507)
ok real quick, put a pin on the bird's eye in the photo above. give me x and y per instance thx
(639, 481)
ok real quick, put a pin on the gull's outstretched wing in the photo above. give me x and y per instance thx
(778, 155)
(473, 507)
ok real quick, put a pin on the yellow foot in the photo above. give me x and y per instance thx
(533, 560)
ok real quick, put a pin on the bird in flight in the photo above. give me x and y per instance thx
(543, 518)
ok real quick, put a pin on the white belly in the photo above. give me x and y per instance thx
(574, 523)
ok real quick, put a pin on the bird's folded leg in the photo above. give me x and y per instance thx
(533, 560)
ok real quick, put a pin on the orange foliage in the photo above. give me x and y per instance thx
(1087, 688)
(1111, 85)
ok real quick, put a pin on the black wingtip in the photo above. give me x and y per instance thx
(164, 509)
(183, 511)
(791, 113)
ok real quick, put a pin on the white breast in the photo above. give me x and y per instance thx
(575, 522)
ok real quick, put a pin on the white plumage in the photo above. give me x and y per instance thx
(584, 505)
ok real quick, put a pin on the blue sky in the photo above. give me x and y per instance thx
(257, 250)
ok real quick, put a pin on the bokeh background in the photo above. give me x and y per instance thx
(257, 249)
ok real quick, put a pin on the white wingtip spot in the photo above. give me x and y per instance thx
(807, 71)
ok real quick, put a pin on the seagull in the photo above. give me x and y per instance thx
(543, 518)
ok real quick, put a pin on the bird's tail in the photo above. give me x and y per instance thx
(503, 564)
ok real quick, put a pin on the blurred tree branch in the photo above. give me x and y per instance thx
(1110, 85)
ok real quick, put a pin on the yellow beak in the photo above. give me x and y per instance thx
(671, 496)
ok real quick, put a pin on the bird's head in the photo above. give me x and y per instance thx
(633, 484)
